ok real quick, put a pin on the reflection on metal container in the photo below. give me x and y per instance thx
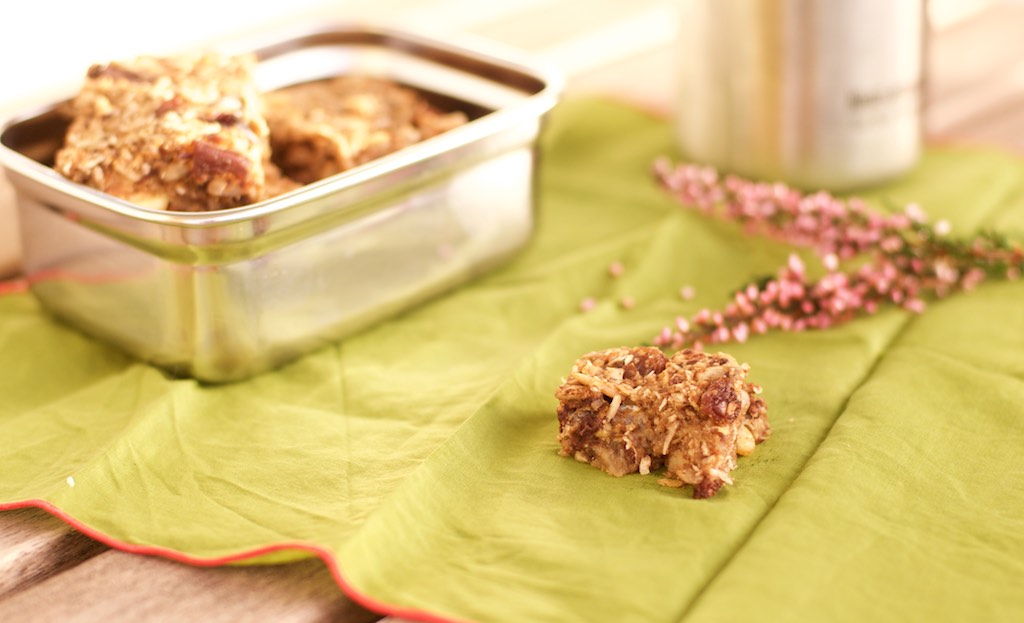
(817, 93)
(223, 295)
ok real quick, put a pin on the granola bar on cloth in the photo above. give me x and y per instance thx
(629, 410)
(177, 133)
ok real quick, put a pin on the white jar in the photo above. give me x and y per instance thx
(816, 93)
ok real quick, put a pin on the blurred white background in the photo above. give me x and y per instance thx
(46, 44)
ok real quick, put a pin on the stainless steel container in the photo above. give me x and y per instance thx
(224, 295)
(817, 93)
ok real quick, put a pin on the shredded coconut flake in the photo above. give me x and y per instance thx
(614, 407)
(668, 438)
(645, 465)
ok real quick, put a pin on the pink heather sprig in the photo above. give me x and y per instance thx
(826, 224)
(908, 259)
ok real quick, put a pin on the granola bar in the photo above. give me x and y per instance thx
(321, 128)
(629, 410)
(176, 133)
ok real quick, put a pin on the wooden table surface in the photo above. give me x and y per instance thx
(49, 572)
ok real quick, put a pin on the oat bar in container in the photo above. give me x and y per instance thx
(321, 128)
(177, 133)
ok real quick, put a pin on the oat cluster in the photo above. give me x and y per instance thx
(321, 128)
(182, 133)
(627, 410)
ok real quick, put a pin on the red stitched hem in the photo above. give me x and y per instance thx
(380, 607)
(13, 286)
(18, 286)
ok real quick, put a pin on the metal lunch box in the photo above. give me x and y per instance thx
(221, 296)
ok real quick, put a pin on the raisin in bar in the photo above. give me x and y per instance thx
(176, 133)
(629, 410)
(321, 128)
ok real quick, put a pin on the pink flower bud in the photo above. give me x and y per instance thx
(795, 264)
(682, 324)
(914, 305)
(915, 213)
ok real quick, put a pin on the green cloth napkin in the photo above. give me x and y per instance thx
(419, 457)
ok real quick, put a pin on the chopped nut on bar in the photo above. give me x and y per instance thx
(630, 410)
(177, 133)
(321, 128)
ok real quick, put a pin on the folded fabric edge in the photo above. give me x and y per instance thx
(325, 555)
(13, 286)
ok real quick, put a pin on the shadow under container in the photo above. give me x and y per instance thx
(221, 296)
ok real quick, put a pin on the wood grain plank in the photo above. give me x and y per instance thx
(1002, 124)
(646, 80)
(552, 25)
(975, 69)
(115, 586)
(35, 546)
(977, 49)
